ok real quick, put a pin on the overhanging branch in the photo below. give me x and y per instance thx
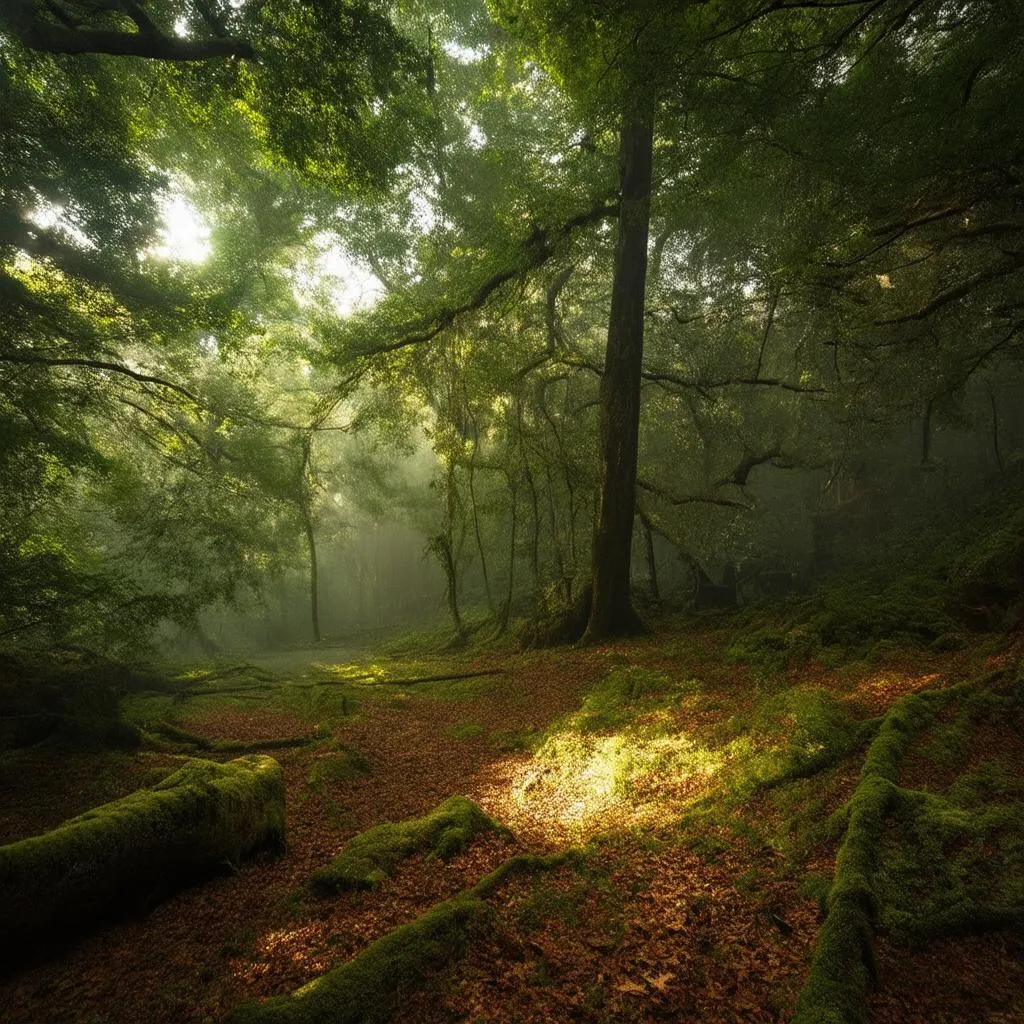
(31, 359)
(533, 252)
(23, 20)
(692, 499)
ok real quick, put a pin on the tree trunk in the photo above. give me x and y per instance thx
(314, 573)
(652, 565)
(476, 520)
(612, 612)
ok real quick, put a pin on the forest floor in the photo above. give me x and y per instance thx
(696, 896)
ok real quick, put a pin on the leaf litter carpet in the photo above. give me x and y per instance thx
(648, 929)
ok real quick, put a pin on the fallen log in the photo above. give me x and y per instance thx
(370, 857)
(214, 691)
(119, 857)
(227, 746)
(444, 678)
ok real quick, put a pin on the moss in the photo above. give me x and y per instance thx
(337, 766)
(511, 741)
(910, 860)
(770, 649)
(617, 699)
(941, 865)
(368, 858)
(803, 805)
(367, 988)
(123, 854)
(792, 734)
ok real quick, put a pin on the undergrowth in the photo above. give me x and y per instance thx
(926, 584)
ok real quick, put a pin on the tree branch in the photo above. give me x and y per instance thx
(30, 359)
(749, 462)
(957, 292)
(22, 19)
(534, 252)
(692, 499)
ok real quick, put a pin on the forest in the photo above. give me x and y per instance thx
(511, 511)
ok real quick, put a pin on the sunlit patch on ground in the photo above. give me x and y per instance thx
(577, 787)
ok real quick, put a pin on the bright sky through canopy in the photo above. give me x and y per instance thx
(185, 235)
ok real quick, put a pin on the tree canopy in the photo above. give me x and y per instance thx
(572, 291)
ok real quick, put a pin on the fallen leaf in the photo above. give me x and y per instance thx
(629, 986)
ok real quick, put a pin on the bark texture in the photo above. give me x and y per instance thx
(612, 612)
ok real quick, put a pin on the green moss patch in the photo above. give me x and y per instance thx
(620, 696)
(124, 854)
(337, 766)
(370, 857)
(368, 987)
(916, 863)
(791, 735)
(465, 731)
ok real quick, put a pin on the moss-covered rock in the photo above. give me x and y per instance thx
(121, 856)
(368, 858)
(366, 989)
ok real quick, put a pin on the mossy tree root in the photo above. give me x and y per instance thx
(118, 857)
(370, 857)
(843, 967)
(367, 988)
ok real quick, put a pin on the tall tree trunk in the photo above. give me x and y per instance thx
(443, 549)
(612, 612)
(506, 608)
(652, 565)
(534, 499)
(561, 586)
(314, 572)
(305, 502)
(476, 514)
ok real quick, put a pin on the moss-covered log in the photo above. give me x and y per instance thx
(843, 967)
(118, 857)
(366, 989)
(368, 858)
